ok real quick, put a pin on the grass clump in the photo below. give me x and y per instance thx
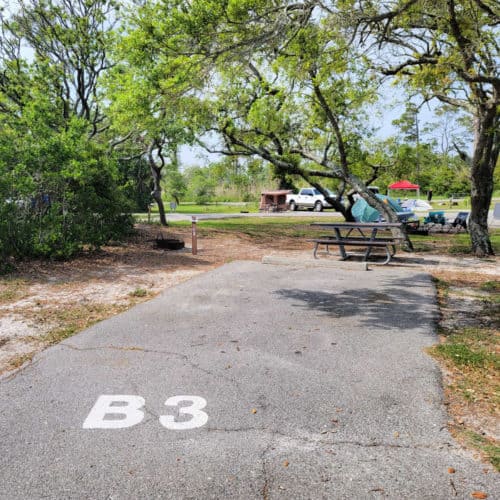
(139, 292)
(489, 449)
(473, 347)
(18, 361)
(490, 286)
(12, 290)
(70, 320)
(463, 355)
(471, 357)
(442, 288)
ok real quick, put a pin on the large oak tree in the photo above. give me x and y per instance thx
(282, 83)
(446, 50)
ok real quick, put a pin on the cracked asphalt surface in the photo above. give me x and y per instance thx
(316, 386)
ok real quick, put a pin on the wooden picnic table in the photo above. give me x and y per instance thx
(368, 236)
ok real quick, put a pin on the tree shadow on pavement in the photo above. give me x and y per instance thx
(394, 303)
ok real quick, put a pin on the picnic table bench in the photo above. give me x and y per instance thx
(368, 238)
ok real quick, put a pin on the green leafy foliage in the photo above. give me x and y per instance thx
(59, 195)
(135, 182)
(201, 185)
(59, 188)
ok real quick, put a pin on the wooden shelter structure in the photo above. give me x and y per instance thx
(274, 201)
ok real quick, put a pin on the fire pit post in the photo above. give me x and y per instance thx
(194, 242)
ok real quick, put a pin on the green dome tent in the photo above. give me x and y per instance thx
(363, 212)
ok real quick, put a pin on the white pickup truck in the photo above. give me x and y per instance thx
(309, 198)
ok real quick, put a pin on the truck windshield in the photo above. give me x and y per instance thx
(316, 192)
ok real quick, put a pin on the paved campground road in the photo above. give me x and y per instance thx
(291, 383)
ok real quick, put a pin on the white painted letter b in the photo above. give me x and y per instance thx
(125, 406)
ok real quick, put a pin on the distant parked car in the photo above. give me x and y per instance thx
(309, 198)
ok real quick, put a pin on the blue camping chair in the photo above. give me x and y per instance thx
(460, 221)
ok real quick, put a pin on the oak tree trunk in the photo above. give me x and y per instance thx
(483, 162)
(156, 193)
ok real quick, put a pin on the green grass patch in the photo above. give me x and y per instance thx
(475, 337)
(440, 283)
(421, 246)
(491, 301)
(217, 208)
(490, 286)
(139, 292)
(450, 243)
(472, 355)
(266, 227)
(472, 361)
(495, 240)
(460, 244)
(259, 227)
(461, 354)
(487, 447)
(209, 208)
(443, 289)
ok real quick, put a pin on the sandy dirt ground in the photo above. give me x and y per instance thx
(44, 298)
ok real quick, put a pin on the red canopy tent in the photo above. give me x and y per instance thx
(405, 185)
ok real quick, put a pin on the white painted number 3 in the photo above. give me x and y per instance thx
(198, 418)
(121, 411)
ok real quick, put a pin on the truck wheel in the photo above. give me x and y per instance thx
(293, 206)
(318, 207)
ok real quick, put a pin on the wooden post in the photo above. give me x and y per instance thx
(194, 240)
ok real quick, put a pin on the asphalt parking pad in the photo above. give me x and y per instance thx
(251, 381)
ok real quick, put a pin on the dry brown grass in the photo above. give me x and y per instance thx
(469, 353)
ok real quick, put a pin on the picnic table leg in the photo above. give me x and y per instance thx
(343, 253)
(389, 256)
(369, 249)
(315, 251)
(367, 253)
